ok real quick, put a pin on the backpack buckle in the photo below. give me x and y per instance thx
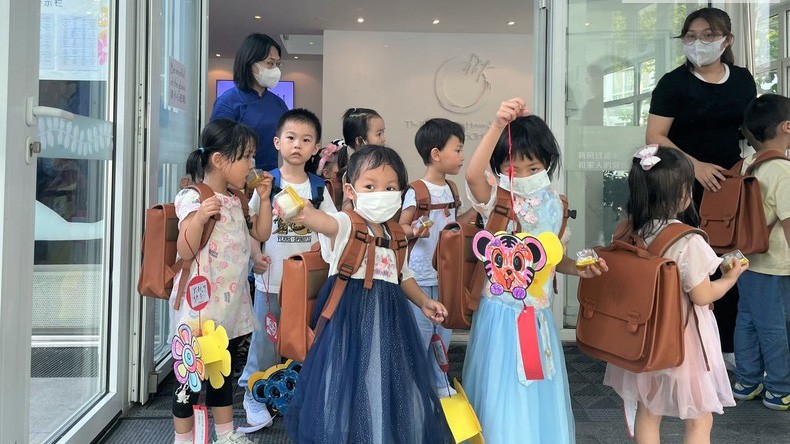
(344, 271)
(362, 236)
(503, 210)
(382, 242)
(633, 322)
(588, 309)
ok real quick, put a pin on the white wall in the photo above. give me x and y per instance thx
(306, 75)
(395, 74)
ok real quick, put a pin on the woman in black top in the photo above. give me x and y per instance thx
(698, 108)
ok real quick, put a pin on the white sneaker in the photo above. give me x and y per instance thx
(258, 415)
(445, 392)
(233, 438)
(729, 361)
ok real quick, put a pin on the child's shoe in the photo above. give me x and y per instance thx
(746, 392)
(233, 438)
(776, 401)
(258, 415)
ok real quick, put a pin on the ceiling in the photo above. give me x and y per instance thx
(230, 21)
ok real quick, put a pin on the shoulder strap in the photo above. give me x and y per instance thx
(456, 198)
(566, 214)
(397, 243)
(501, 213)
(763, 157)
(671, 234)
(245, 205)
(422, 199)
(275, 184)
(317, 189)
(205, 192)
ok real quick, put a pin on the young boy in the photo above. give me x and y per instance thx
(762, 355)
(440, 143)
(298, 137)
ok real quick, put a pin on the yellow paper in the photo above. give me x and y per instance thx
(214, 353)
(461, 417)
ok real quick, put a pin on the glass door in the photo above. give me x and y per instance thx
(172, 111)
(615, 52)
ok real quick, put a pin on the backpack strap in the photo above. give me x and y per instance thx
(763, 157)
(566, 213)
(501, 213)
(360, 243)
(316, 187)
(422, 197)
(671, 234)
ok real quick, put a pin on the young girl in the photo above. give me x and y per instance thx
(361, 126)
(324, 164)
(661, 181)
(367, 378)
(510, 407)
(226, 156)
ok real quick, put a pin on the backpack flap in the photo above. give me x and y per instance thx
(719, 210)
(616, 309)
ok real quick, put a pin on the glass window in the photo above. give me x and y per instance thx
(619, 84)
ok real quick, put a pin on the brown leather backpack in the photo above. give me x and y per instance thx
(733, 216)
(461, 274)
(159, 265)
(632, 315)
(307, 273)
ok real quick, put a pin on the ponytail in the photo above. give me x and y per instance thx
(196, 164)
(224, 136)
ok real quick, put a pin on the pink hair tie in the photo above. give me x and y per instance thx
(326, 155)
(647, 156)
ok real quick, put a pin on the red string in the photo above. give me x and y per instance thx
(510, 174)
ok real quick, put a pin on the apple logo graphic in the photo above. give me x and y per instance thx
(461, 84)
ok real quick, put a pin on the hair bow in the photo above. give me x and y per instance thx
(326, 155)
(647, 156)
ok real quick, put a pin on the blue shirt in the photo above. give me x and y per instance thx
(260, 113)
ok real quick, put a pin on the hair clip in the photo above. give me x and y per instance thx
(647, 156)
(326, 155)
(202, 151)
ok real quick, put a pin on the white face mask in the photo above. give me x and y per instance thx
(267, 78)
(525, 185)
(377, 206)
(703, 54)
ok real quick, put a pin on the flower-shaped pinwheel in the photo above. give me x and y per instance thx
(214, 346)
(188, 366)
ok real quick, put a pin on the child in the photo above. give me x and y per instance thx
(761, 343)
(661, 182)
(298, 136)
(367, 377)
(226, 156)
(361, 126)
(440, 143)
(324, 164)
(494, 376)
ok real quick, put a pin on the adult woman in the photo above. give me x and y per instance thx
(698, 108)
(255, 70)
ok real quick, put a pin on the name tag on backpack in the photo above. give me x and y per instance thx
(198, 293)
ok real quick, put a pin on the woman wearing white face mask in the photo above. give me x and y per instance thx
(698, 108)
(256, 69)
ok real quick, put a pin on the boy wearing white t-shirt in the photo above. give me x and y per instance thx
(297, 140)
(440, 143)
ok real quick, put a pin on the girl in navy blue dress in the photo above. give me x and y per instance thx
(367, 377)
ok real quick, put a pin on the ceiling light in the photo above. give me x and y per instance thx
(511, 23)
(296, 57)
(361, 20)
(587, 24)
(257, 17)
(435, 21)
(312, 43)
(218, 55)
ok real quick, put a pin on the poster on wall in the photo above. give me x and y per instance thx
(176, 84)
(74, 40)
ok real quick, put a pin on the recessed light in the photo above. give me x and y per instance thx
(218, 55)
(361, 20)
(587, 24)
(257, 17)
(312, 43)
(435, 21)
(511, 23)
(296, 57)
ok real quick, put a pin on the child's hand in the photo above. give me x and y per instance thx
(510, 110)
(434, 311)
(593, 270)
(208, 209)
(260, 264)
(264, 188)
(737, 269)
(419, 230)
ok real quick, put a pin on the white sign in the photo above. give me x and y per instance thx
(176, 84)
(75, 40)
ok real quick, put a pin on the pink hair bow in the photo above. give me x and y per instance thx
(326, 155)
(647, 156)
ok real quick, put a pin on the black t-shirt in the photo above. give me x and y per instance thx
(707, 116)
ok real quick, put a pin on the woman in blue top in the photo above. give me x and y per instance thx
(255, 70)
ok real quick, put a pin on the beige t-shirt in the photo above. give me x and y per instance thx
(774, 179)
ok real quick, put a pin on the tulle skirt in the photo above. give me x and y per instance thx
(510, 409)
(688, 390)
(367, 378)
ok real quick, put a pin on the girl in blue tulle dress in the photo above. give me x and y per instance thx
(516, 401)
(367, 378)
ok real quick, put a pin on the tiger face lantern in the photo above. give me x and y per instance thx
(517, 262)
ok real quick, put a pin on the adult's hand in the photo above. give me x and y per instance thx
(708, 175)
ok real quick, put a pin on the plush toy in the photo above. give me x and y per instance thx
(275, 386)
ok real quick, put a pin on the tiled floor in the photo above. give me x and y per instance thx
(597, 412)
